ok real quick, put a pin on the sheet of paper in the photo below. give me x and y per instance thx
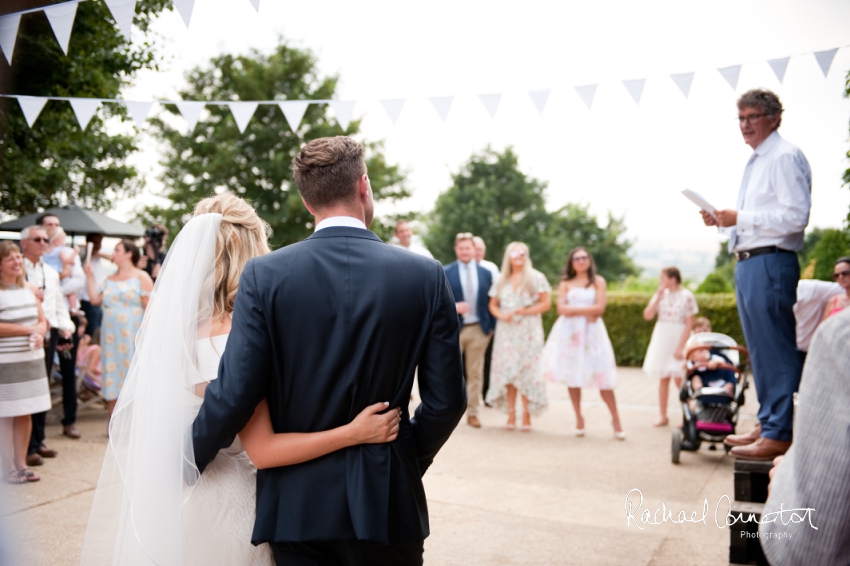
(699, 200)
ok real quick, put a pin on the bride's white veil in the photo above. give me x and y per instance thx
(149, 466)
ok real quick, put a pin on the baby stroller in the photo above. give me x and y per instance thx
(711, 413)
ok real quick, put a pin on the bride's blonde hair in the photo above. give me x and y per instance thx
(242, 235)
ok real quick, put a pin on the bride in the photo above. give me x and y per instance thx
(152, 507)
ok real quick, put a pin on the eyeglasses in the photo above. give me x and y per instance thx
(750, 118)
(517, 253)
(581, 258)
(39, 240)
(839, 274)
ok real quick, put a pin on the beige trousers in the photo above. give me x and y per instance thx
(473, 345)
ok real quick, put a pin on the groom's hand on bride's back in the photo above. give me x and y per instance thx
(372, 426)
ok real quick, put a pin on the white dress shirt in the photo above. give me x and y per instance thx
(775, 198)
(340, 221)
(470, 296)
(492, 268)
(54, 306)
(418, 250)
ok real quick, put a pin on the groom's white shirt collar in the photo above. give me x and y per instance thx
(335, 221)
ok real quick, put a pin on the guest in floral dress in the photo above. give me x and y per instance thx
(517, 300)
(124, 297)
(665, 356)
(578, 351)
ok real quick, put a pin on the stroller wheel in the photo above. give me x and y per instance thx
(676, 446)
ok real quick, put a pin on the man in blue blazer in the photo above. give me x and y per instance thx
(470, 285)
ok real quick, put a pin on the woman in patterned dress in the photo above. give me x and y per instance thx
(517, 300)
(23, 379)
(124, 297)
(665, 356)
(578, 351)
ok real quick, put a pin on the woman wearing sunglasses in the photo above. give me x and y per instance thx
(841, 275)
(517, 300)
(578, 351)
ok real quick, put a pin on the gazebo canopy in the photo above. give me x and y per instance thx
(75, 220)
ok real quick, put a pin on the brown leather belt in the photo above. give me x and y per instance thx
(747, 254)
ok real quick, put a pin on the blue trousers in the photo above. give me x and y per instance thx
(766, 288)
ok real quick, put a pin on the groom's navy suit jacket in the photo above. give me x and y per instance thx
(322, 329)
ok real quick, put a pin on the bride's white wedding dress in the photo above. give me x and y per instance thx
(218, 518)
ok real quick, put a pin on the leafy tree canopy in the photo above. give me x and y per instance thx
(55, 162)
(492, 198)
(256, 165)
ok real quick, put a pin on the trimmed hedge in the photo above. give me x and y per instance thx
(630, 333)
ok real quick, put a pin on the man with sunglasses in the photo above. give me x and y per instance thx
(33, 245)
(765, 231)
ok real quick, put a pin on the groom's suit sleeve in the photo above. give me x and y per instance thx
(230, 400)
(441, 385)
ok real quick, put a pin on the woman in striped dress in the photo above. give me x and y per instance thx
(23, 379)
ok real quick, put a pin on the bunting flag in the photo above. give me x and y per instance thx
(84, 109)
(635, 88)
(191, 112)
(256, 4)
(294, 111)
(343, 110)
(31, 107)
(242, 113)
(731, 75)
(442, 104)
(824, 59)
(393, 108)
(184, 8)
(8, 34)
(138, 111)
(587, 92)
(123, 11)
(539, 98)
(779, 66)
(61, 18)
(490, 102)
(683, 81)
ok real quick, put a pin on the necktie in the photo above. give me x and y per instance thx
(470, 290)
(733, 239)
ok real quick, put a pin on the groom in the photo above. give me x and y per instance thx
(322, 329)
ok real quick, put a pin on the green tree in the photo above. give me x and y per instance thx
(715, 283)
(55, 161)
(832, 245)
(256, 165)
(492, 198)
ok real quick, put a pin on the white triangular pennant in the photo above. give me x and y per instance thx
(731, 75)
(256, 4)
(824, 59)
(61, 18)
(683, 81)
(442, 104)
(343, 110)
(123, 11)
(490, 102)
(635, 88)
(586, 93)
(540, 97)
(84, 109)
(191, 112)
(242, 112)
(185, 7)
(294, 111)
(8, 34)
(138, 111)
(779, 66)
(31, 107)
(393, 108)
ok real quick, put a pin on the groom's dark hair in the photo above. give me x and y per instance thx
(326, 171)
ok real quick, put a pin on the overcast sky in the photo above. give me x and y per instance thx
(618, 156)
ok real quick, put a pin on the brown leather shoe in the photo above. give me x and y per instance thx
(34, 459)
(46, 452)
(71, 431)
(743, 439)
(473, 421)
(761, 449)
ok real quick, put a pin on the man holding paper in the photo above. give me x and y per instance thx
(765, 231)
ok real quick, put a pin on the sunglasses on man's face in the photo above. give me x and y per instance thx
(839, 274)
(38, 240)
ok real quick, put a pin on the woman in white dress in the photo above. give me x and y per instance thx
(665, 356)
(152, 507)
(578, 351)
